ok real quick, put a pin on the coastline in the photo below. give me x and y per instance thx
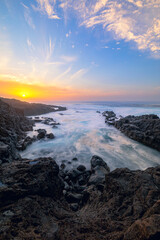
(40, 199)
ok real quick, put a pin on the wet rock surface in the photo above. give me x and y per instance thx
(39, 200)
(144, 129)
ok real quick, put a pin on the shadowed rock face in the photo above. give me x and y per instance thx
(34, 206)
(13, 125)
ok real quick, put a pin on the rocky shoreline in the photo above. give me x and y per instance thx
(144, 129)
(31, 109)
(41, 200)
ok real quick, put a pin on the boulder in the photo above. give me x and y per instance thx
(99, 170)
(41, 133)
(81, 168)
(50, 136)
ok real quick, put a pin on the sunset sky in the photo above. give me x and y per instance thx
(80, 50)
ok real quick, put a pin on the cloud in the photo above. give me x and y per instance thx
(69, 59)
(65, 73)
(50, 49)
(27, 16)
(79, 73)
(46, 7)
(135, 21)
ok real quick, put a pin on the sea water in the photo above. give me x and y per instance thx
(83, 133)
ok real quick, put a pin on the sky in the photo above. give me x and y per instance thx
(80, 50)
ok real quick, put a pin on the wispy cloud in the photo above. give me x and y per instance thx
(131, 20)
(27, 16)
(47, 7)
(79, 73)
(69, 59)
(50, 49)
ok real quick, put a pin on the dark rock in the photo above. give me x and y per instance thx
(75, 159)
(62, 165)
(97, 162)
(13, 128)
(84, 177)
(50, 136)
(99, 170)
(33, 206)
(81, 168)
(144, 129)
(73, 197)
(31, 109)
(44, 182)
(41, 133)
(74, 206)
(110, 117)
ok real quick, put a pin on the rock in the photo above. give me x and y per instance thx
(75, 159)
(99, 170)
(73, 197)
(41, 133)
(147, 228)
(74, 206)
(62, 165)
(97, 162)
(13, 128)
(44, 183)
(110, 117)
(144, 129)
(50, 136)
(33, 202)
(81, 168)
(84, 177)
(73, 174)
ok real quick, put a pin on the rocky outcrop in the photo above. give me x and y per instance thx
(31, 200)
(45, 120)
(144, 129)
(31, 109)
(39, 201)
(13, 125)
(127, 208)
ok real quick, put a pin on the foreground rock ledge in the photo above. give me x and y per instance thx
(33, 206)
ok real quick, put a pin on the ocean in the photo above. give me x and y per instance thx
(83, 133)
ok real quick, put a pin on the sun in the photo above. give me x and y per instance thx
(23, 94)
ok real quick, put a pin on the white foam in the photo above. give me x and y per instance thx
(83, 132)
